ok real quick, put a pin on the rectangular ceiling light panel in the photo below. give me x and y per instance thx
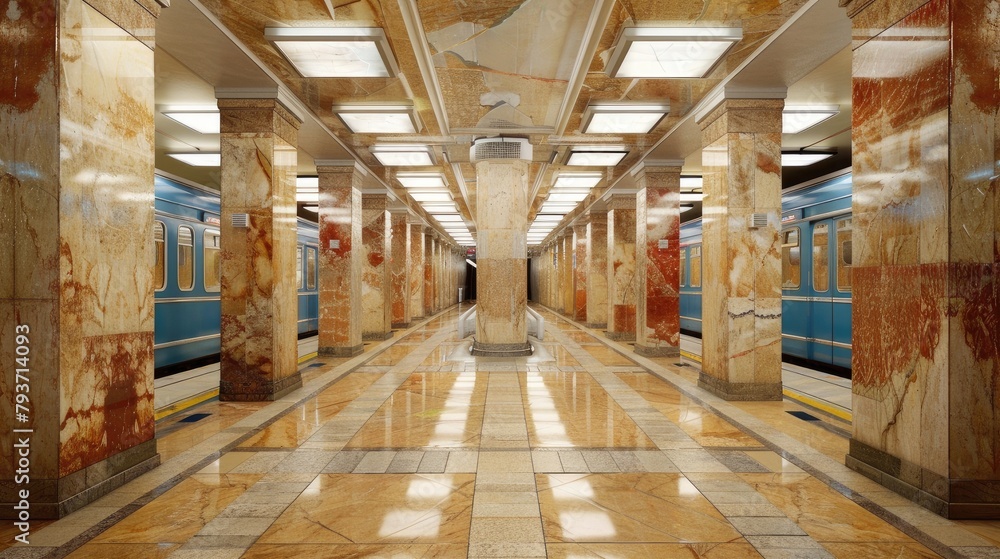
(204, 121)
(803, 158)
(378, 119)
(577, 180)
(403, 155)
(797, 118)
(421, 180)
(199, 159)
(335, 52)
(622, 118)
(593, 158)
(670, 52)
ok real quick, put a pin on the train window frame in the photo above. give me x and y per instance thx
(217, 286)
(842, 264)
(823, 248)
(683, 266)
(691, 257)
(193, 266)
(312, 273)
(299, 267)
(787, 244)
(160, 246)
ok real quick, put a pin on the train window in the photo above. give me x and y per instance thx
(791, 259)
(311, 268)
(845, 258)
(185, 258)
(684, 258)
(695, 260)
(298, 267)
(821, 257)
(213, 262)
(159, 239)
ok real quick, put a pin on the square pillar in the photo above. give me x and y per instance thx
(428, 291)
(399, 269)
(415, 277)
(341, 257)
(925, 234)
(657, 262)
(597, 275)
(581, 271)
(621, 267)
(741, 317)
(566, 284)
(76, 258)
(376, 236)
(259, 326)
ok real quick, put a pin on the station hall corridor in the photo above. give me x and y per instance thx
(583, 450)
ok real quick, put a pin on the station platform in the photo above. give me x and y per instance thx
(415, 448)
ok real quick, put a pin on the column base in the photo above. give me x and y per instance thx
(268, 391)
(740, 391)
(657, 351)
(480, 349)
(56, 498)
(376, 336)
(954, 499)
(400, 325)
(596, 325)
(621, 336)
(341, 351)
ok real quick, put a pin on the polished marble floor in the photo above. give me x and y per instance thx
(583, 450)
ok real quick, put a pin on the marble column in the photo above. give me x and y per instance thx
(376, 236)
(741, 317)
(416, 267)
(76, 260)
(399, 266)
(926, 257)
(501, 315)
(259, 360)
(428, 287)
(597, 275)
(566, 286)
(621, 267)
(657, 260)
(340, 258)
(581, 271)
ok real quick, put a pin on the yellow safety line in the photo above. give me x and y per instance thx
(818, 404)
(307, 357)
(691, 356)
(186, 403)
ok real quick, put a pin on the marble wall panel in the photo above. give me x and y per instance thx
(429, 272)
(741, 314)
(259, 310)
(376, 235)
(926, 250)
(76, 175)
(399, 266)
(597, 277)
(658, 302)
(502, 290)
(415, 277)
(581, 271)
(340, 265)
(621, 267)
(566, 281)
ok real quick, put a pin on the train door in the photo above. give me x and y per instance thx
(795, 307)
(843, 260)
(821, 300)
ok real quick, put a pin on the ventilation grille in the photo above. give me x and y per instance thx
(500, 148)
(503, 123)
(758, 221)
(241, 221)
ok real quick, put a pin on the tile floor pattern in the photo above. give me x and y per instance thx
(416, 449)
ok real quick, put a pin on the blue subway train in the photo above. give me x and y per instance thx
(187, 276)
(816, 261)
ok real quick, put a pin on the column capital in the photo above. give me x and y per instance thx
(414, 219)
(280, 95)
(340, 166)
(374, 201)
(733, 93)
(657, 166)
(621, 202)
(597, 217)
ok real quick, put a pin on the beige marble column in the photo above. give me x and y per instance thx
(741, 317)
(259, 309)
(657, 260)
(428, 287)
(926, 257)
(501, 321)
(597, 276)
(416, 269)
(376, 235)
(341, 258)
(621, 267)
(566, 286)
(399, 267)
(581, 271)
(76, 261)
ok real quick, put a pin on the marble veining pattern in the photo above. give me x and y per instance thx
(399, 269)
(376, 235)
(581, 273)
(415, 276)
(657, 290)
(340, 267)
(597, 271)
(621, 267)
